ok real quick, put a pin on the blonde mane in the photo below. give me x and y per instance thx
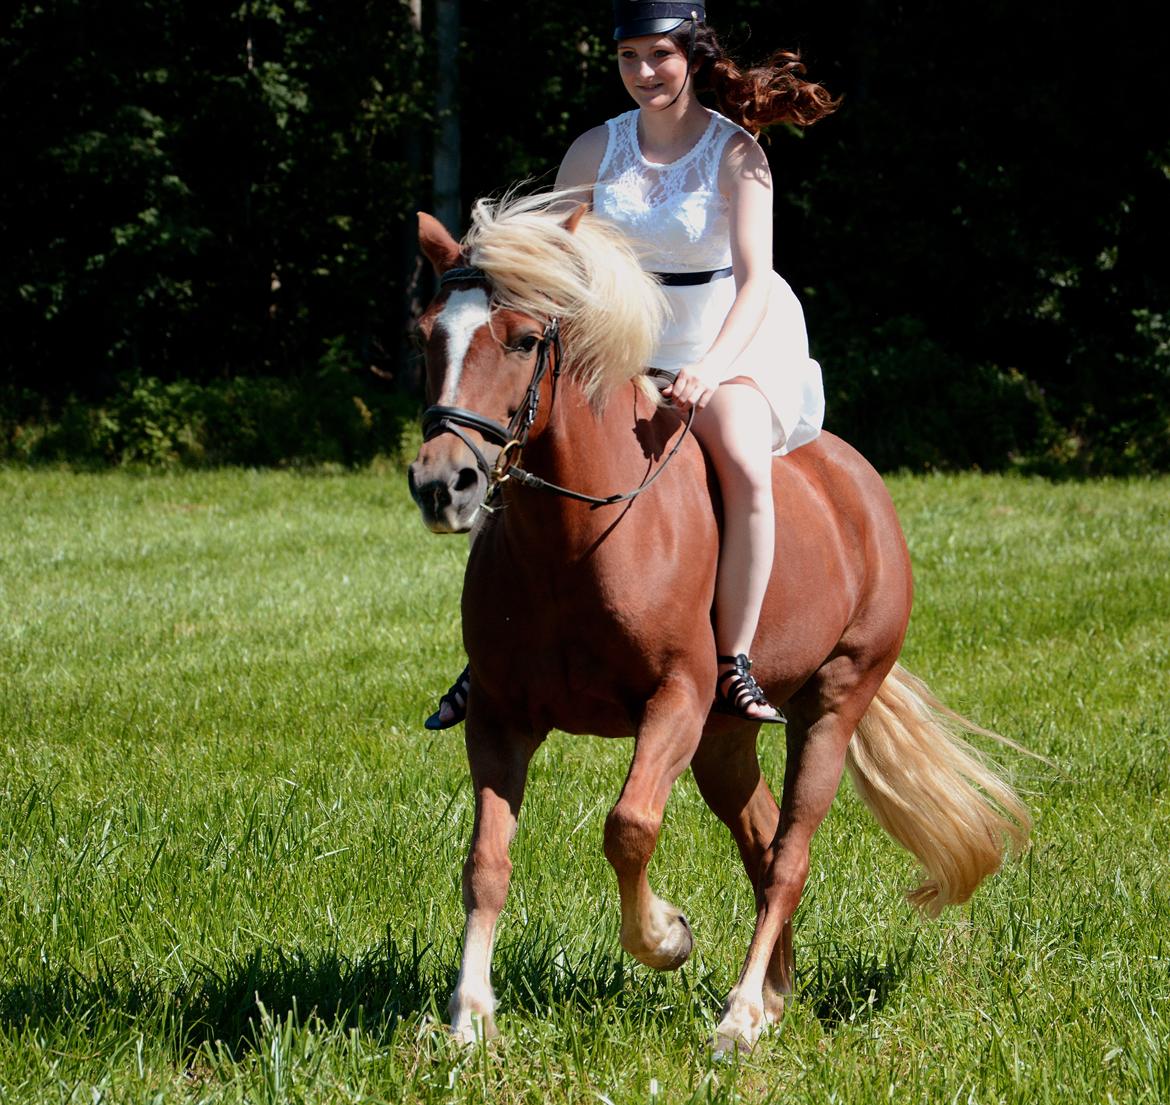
(611, 311)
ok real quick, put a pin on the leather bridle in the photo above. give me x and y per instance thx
(513, 437)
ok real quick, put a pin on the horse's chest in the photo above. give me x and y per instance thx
(565, 608)
(578, 641)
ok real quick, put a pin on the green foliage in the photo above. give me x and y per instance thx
(213, 192)
(975, 183)
(230, 855)
(324, 418)
(208, 191)
(916, 405)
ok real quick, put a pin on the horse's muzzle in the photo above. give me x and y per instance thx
(448, 493)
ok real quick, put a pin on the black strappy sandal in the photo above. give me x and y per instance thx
(742, 691)
(456, 698)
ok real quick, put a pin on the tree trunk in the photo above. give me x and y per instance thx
(408, 374)
(448, 207)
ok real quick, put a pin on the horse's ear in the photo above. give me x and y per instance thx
(436, 244)
(574, 217)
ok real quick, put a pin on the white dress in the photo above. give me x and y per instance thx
(679, 219)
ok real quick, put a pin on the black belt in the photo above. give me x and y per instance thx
(686, 279)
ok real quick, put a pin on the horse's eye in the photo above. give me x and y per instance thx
(526, 344)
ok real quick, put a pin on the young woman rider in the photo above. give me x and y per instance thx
(693, 187)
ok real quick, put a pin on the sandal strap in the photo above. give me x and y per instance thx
(457, 692)
(736, 690)
(738, 660)
(743, 690)
(456, 700)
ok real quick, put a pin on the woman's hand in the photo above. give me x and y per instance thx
(693, 386)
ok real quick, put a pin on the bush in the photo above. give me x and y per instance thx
(329, 417)
(906, 402)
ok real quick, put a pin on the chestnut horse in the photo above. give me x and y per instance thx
(597, 618)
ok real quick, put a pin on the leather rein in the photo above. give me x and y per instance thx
(513, 437)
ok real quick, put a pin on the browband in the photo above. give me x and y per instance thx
(451, 275)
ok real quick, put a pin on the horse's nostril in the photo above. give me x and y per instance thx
(465, 480)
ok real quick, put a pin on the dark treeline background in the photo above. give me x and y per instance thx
(207, 218)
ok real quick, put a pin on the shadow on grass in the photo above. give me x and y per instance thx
(534, 974)
(372, 992)
(848, 985)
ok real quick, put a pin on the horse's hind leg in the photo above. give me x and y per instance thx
(499, 767)
(653, 931)
(728, 775)
(812, 773)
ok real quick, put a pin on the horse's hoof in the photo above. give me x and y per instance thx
(725, 1048)
(672, 951)
(470, 1027)
(739, 1031)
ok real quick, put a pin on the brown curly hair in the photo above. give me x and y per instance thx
(758, 97)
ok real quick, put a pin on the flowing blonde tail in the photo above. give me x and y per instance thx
(932, 792)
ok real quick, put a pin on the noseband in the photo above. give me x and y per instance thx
(513, 437)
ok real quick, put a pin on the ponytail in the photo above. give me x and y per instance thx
(761, 96)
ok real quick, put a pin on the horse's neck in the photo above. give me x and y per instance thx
(595, 454)
(553, 569)
(579, 443)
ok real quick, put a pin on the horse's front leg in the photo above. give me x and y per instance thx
(653, 931)
(499, 767)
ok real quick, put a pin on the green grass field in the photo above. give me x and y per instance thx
(229, 854)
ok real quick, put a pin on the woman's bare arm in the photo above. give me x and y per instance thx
(745, 179)
(579, 168)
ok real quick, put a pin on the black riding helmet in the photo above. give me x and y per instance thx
(632, 18)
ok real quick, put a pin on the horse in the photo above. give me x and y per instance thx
(587, 608)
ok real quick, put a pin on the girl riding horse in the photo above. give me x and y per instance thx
(693, 188)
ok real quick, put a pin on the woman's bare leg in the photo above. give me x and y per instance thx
(735, 429)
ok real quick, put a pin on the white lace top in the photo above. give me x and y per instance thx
(675, 211)
(679, 220)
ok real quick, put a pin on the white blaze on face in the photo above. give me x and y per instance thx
(465, 311)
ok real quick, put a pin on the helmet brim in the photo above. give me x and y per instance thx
(637, 28)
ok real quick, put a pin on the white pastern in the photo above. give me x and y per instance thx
(472, 1007)
(466, 310)
(741, 1025)
(661, 939)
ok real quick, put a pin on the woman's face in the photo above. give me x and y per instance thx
(653, 69)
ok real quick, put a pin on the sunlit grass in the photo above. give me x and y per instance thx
(231, 855)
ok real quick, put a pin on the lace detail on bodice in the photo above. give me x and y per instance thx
(674, 212)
